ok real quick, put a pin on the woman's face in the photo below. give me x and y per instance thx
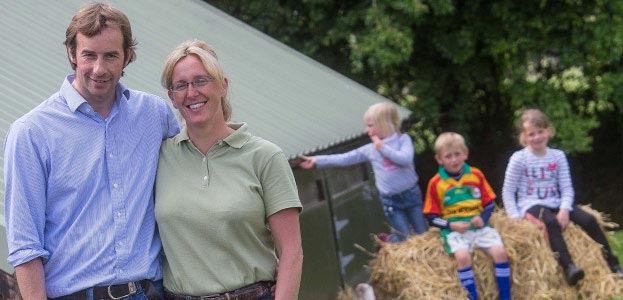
(200, 102)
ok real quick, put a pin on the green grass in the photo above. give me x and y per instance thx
(616, 242)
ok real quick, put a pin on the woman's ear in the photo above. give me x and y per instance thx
(225, 86)
(172, 97)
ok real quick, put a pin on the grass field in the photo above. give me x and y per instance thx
(616, 242)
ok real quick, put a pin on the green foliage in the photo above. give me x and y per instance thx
(467, 66)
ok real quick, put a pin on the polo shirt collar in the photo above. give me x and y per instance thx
(237, 139)
(444, 175)
(75, 100)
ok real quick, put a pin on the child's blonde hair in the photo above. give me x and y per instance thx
(535, 118)
(449, 140)
(384, 116)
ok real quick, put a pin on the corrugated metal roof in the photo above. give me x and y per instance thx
(286, 97)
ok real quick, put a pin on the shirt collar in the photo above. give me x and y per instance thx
(237, 139)
(444, 174)
(75, 100)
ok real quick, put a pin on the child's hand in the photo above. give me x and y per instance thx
(460, 227)
(563, 218)
(378, 143)
(477, 222)
(308, 162)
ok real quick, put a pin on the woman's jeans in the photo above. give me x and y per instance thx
(403, 211)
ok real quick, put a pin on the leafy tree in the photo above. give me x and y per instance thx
(468, 66)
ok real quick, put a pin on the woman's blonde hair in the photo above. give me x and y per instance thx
(535, 118)
(449, 140)
(208, 58)
(384, 116)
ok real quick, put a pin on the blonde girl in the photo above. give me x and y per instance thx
(392, 157)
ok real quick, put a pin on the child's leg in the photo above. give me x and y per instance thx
(502, 271)
(465, 272)
(589, 224)
(554, 233)
(414, 212)
(557, 243)
(397, 218)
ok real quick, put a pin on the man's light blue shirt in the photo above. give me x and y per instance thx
(79, 188)
(393, 165)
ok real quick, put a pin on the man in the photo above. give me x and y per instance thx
(79, 174)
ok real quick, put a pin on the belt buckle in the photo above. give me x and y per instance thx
(131, 289)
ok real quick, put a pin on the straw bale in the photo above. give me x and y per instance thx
(419, 268)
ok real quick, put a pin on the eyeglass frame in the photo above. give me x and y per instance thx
(179, 87)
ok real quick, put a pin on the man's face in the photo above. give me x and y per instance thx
(99, 63)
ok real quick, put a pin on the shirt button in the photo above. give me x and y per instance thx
(115, 185)
(119, 214)
(110, 155)
(204, 159)
(205, 177)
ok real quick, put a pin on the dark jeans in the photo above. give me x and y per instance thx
(586, 221)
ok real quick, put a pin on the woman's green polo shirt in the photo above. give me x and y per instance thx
(212, 211)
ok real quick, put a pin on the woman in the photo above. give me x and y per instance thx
(225, 200)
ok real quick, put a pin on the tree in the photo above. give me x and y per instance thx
(468, 66)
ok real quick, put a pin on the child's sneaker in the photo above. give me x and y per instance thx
(573, 274)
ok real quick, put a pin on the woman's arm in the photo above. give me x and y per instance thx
(286, 233)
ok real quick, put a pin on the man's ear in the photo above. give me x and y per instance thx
(72, 59)
(128, 56)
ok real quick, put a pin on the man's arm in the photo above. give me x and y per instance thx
(31, 280)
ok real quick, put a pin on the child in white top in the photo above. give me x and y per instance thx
(538, 185)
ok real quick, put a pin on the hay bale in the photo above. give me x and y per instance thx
(419, 268)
